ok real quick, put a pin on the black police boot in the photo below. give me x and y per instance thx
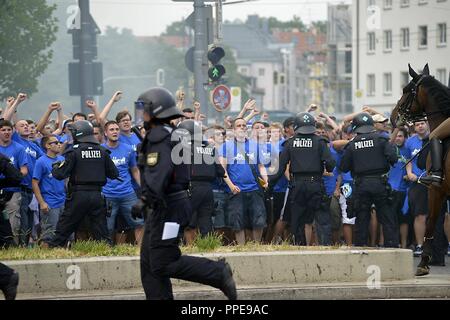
(228, 285)
(10, 290)
(435, 177)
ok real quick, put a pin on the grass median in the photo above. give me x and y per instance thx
(209, 244)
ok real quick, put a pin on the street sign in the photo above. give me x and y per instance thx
(236, 99)
(189, 59)
(221, 98)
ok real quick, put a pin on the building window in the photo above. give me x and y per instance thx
(404, 80)
(404, 3)
(387, 80)
(423, 2)
(370, 85)
(371, 42)
(261, 72)
(405, 37)
(441, 76)
(387, 40)
(244, 71)
(370, 3)
(348, 62)
(423, 36)
(387, 4)
(442, 34)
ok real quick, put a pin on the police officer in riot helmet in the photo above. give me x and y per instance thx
(165, 183)
(369, 157)
(204, 170)
(308, 155)
(87, 165)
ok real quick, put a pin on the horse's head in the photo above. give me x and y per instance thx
(410, 106)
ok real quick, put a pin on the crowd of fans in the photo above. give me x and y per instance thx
(34, 208)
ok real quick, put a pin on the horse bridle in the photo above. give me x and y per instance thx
(404, 109)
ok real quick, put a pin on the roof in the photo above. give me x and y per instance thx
(250, 44)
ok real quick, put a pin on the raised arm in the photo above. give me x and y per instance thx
(93, 106)
(102, 117)
(43, 121)
(13, 108)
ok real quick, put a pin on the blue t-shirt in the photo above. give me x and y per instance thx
(397, 173)
(346, 176)
(33, 151)
(330, 181)
(124, 158)
(131, 140)
(239, 171)
(52, 189)
(282, 184)
(18, 157)
(413, 145)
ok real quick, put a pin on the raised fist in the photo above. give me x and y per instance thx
(91, 104)
(117, 96)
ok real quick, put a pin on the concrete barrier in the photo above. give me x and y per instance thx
(250, 268)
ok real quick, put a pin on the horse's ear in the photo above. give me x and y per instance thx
(412, 73)
(426, 70)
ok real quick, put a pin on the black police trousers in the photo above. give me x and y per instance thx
(368, 191)
(79, 204)
(162, 259)
(202, 200)
(306, 199)
(5, 274)
(6, 235)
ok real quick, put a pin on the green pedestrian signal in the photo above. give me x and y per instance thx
(217, 70)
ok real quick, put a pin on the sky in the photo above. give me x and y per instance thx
(150, 17)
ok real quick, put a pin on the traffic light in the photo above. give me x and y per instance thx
(217, 70)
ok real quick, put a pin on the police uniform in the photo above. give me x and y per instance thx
(308, 155)
(165, 192)
(87, 165)
(12, 177)
(369, 157)
(204, 169)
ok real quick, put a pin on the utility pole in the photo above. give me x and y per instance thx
(86, 82)
(200, 48)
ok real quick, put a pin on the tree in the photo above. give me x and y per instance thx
(320, 26)
(175, 29)
(28, 30)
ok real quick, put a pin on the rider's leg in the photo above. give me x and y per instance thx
(435, 176)
(442, 131)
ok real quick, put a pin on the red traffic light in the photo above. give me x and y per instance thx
(215, 54)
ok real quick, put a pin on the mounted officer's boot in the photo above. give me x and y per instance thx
(436, 175)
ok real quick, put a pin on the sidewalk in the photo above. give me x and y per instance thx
(431, 286)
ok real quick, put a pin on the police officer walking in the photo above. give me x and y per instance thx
(308, 155)
(9, 279)
(165, 193)
(87, 165)
(369, 157)
(204, 170)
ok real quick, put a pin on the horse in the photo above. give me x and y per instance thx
(426, 98)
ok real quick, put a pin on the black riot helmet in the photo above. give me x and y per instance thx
(363, 123)
(189, 129)
(82, 131)
(158, 103)
(305, 123)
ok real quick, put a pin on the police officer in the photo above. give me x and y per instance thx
(308, 155)
(164, 188)
(204, 169)
(9, 279)
(88, 165)
(369, 157)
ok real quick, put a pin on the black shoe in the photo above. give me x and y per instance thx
(10, 290)
(434, 179)
(228, 285)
